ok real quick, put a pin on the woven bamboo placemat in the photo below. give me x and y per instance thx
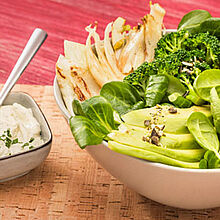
(71, 185)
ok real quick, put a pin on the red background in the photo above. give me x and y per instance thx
(66, 19)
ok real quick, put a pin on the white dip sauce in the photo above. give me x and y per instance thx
(19, 130)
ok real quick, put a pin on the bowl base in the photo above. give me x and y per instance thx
(14, 177)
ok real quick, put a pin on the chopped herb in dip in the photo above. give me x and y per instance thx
(19, 130)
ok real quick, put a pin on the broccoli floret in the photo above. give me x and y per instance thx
(171, 63)
(201, 43)
(140, 76)
(189, 63)
(171, 43)
(137, 77)
(183, 64)
(208, 43)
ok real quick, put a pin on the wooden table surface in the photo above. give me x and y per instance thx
(70, 185)
(66, 19)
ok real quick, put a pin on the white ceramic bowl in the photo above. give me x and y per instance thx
(173, 186)
(21, 163)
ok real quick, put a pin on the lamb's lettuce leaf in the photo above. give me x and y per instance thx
(77, 107)
(192, 20)
(122, 96)
(211, 25)
(156, 89)
(215, 106)
(87, 132)
(92, 122)
(203, 131)
(200, 21)
(175, 85)
(210, 161)
(94, 118)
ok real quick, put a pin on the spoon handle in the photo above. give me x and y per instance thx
(36, 40)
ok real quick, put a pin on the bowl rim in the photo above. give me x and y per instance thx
(49, 129)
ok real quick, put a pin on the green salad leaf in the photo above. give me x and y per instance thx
(211, 25)
(122, 96)
(156, 89)
(93, 121)
(215, 106)
(206, 81)
(77, 107)
(98, 109)
(175, 86)
(87, 132)
(200, 21)
(203, 131)
(192, 20)
(210, 161)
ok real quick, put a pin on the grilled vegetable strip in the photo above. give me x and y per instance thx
(79, 67)
(66, 90)
(75, 75)
(158, 13)
(118, 35)
(110, 54)
(76, 52)
(132, 54)
(94, 65)
(153, 30)
(101, 54)
(140, 51)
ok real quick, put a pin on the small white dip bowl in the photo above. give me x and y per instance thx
(173, 186)
(21, 163)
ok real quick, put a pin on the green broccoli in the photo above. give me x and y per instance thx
(182, 40)
(171, 43)
(185, 65)
(208, 43)
(183, 56)
(169, 64)
(139, 77)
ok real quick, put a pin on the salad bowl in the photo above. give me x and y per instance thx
(172, 186)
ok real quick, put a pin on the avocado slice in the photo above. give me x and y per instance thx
(150, 156)
(174, 123)
(129, 133)
(189, 155)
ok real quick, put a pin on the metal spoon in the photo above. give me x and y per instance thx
(36, 40)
